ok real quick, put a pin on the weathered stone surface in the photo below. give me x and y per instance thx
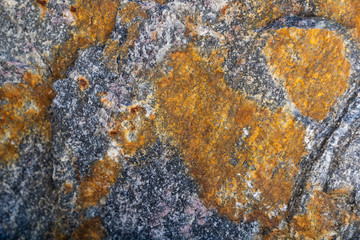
(180, 119)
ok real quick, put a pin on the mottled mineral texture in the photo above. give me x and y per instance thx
(180, 119)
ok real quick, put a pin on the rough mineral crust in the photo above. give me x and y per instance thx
(156, 119)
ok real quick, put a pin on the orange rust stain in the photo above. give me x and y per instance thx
(255, 14)
(243, 156)
(89, 229)
(130, 11)
(23, 112)
(324, 215)
(233, 10)
(191, 25)
(57, 234)
(319, 218)
(132, 129)
(68, 187)
(131, 16)
(111, 52)
(258, 13)
(161, 1)
(266, 12)
(103, 99)
(42, 4)
(94, 21)
(96, 186)
(83, 83)
(313, 66)
(346, 12)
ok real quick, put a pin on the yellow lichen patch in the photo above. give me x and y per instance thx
(113, 49)
(111, 52)
(192, 23)
(325, 213)
(131, 17)
(94, 21)
(68, 187)
(96, 185)
(133, 129)
(324, 216)
(265, 12)
(258, 13)
(89, 229)
(243, 156)
(313, 66)
(319, 219)
(23, 111)
(346, 12)
(130, 11)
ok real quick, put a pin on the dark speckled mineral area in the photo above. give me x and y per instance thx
(180, 119)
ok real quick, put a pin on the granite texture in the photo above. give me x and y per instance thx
(156, 119)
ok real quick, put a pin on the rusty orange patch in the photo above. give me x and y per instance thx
(42, 4)
(313, 66)
(96, 186)
(68, 187)
(131, 130)
(130, 11)
(319, 218)
(346, 12)
(243, 156)
(111, 52)
(131, 16)
(26, 104)
(94, 21)
(161, 1)
(324, 215)
(22, 112)
(265, 12)
(89, 229)
(258, 13)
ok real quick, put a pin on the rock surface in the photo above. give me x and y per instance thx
(155, 119)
